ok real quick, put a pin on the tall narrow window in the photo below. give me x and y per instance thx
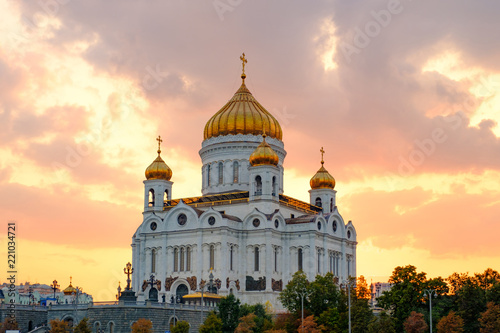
(176, 260)
(274, 186)
(208, 175)
(318, 202)
(236, 172)
(331, 205)
(319, 261)
(221, 173)
(188, 259)
(258, 183)
(331, 263)
(165, 198)
(231, 253)
(151, 199)
(299, 259)
(348, 267)
(212, 256)
(181, 260)
(275, 259)
(256, 260)
(153, 261)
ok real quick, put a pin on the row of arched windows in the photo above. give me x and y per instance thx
(258, 186)
(319, 203)
(182, 259)
(220, 172)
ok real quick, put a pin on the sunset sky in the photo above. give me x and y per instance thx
(404, 96)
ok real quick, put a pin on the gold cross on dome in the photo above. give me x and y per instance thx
(243, 61)
(159, 141)
(322, 152)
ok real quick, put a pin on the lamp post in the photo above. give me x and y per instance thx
(348, 282)
(54, 287)
(302, 294)
(430, 293)
(128, 270)
(175, 299)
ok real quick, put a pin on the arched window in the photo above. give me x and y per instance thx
(181, 260)
(331, 205)
(231, 254)
(258, 183)
(153, 261)
(318, 202)
(256, 260)
(188, 259)
(274, 186)
(348, 267)
(165, 198)
(236, 172)
(151, 198)
(299, 259)
(212, 256)
(111, 327)
(176, 260)
(221, 173)
(208, 175)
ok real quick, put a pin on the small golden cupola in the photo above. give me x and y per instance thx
(242, 114)
(322, 178)
(70, 290)
(158, 169)
(264, 154)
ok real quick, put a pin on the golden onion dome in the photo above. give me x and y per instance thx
(322, 178)
(242, 114)
(70, 290)
(264, 154)
(158, 169)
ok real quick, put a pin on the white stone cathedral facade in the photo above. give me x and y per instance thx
(243, 227)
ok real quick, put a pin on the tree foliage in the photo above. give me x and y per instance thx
(490, 319)
(415, 323)
(181, 327)
(289, 297)
(142, 326)
(310, 326)
(9, 324)
(381, 324)
(58, 326)
(247, 324)
(229, 313)
(452, 323)
(212, 324)
(83, 326)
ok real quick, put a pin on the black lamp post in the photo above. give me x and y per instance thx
(54, 287)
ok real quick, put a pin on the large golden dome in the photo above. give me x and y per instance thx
(242, 115)
(322, 178)
(264, 154)
(70, 290)
(158, 169)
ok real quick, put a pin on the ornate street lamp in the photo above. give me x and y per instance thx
(128, 270)
(54, 287)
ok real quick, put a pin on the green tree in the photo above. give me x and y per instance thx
(142, 326)
(330, 319)
(452, 323)
(212, 324)
(83, 326)
(470, 301)
(381, 324)
(405, 295)
(181, 327)
(415, 323)
(323, 294)
(229, 312)
(58, 326)
(361, 313)
(490, 319)
(289, 297)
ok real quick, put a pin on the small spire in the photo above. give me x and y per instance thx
(243, 62)
(322, 152)
(159, 143)
(264, 135)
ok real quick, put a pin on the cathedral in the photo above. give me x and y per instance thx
(243, 232)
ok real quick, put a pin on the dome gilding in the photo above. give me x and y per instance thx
(264, 154)
(158, 169)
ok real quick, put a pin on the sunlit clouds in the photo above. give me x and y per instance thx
(409, 121)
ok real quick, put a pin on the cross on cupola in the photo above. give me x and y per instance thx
(159, 143)
(322, 152)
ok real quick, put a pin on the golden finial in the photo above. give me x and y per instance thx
(70, 280)
(243, 61)
(322, 152)
(159, 143)
(264, 135)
